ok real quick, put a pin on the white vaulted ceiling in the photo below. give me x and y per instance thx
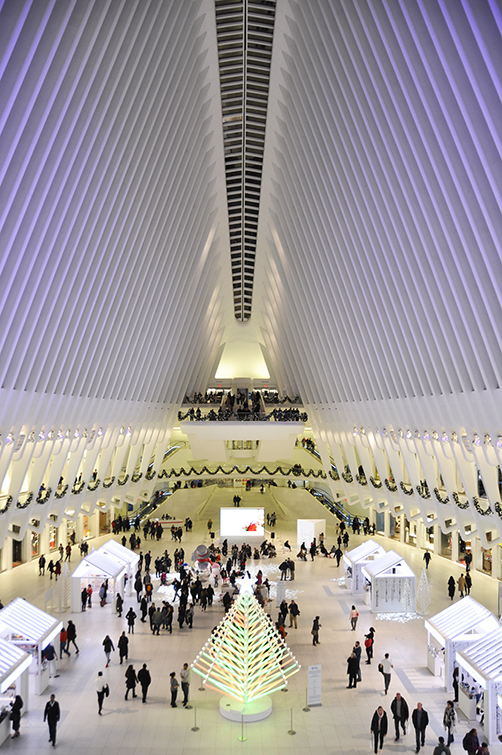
(374, 288)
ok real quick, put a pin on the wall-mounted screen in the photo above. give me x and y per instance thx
(238, 522)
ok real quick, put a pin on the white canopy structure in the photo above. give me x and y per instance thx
(14, 665)
(393, 584)
(482, 660)
(458, 626)
(31, 629)
(355, 559)
(113, 549)
(94, 569)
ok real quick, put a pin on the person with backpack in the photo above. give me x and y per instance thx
(441, 748)
(470, 742)
(449, 720)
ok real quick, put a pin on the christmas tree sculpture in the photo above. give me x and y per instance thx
(423, 594)
(245, 657)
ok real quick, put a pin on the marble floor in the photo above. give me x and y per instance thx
(340, 725)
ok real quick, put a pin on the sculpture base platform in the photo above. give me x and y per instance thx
(257, 710)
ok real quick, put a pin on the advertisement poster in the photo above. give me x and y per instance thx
(314, 685)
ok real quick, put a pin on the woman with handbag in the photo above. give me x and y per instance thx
(15, 715)
(449, 720)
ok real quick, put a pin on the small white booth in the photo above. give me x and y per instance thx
(130, 558)
(93, 570)
(355, 559)
(392, 584)
(480, 665)
(14, 680)
(308, 529)
(452, 629)
(31, 630)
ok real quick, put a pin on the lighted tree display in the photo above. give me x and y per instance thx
(423, 594)
(245, 657)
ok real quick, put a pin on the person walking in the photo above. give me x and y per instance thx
(294, 612)
(174, 689)
(41, 566)
(315, 631)
(101, 690)
(451, 587)
(131, 681)
(427, 559)
(449, 721)
(63, 643)
(186, 678)
(461, 585)
(83, 598)
(441, 748)
(357, 650)
(52, 714)
(71, 631)
(353, 616)
(123, 646)
(468, 582)
(385, 667)
(108, 647)
(352, 669)
(145, 680)
(471, 742)
(378, 728)
(119, 602)
(400, 713)
(131, 618)
(15, 715)
(420, 720)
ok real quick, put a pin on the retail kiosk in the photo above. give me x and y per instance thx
(308, 529)
(14, 680)
(130, 558)
(355, 559)
(452, 629)
(31, 630)
(480, 666)
(392, 584)
(93, 570)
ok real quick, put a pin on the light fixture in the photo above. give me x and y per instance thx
(425, 436)
(355, 431)
(76, 434)
(400, 433)
(41, 435)
(499, 441)
(31, 436)
(121, 431)
(60, 435)
(445, 438)
(9, 438)
(384, 433)
(408, 434)
(488, 439)
(476, 439)
(100, 432)
(84, 432)
(417, 433)
(454, 436)
(68, 433)
(435, 435)
(363, 431)
(128, 430)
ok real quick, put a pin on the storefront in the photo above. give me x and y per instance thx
(453, 629)
(93, 570)
(35, 544)
(53, 538)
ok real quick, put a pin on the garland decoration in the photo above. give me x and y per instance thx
(150, 474)
(361, 479)
(498, 508)
(477, 506)
(43, 496)
(392, 486)
(425, 495)
(242, 471)
(94, 485)
(78, 487)
(109, 483)
(212, 416)
(406, 491)
(376, 483)
(438, 496)
(459, 502)
(25, 505)
(62, 493)
(347, 476)
(123, 480)
(137, 476)
(7, 505)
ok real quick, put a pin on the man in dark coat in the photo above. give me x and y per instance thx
(400, 712)
(420, 721)
(352, 670)
(52, 715)
(144, 679)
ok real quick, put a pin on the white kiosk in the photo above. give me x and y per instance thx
(31, 630)
(14, 680)
(130, 558)
(308, 529)
(392, 584)
(455, 628)
(93, 570)
(355, 559)
(481, 663)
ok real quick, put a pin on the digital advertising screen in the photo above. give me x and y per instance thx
(236, 522)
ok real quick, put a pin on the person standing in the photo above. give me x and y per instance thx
(63, 643)
(108, 647)
(123, 646)
(400, 713)
(72, 635)
(145, 680)
(353, 616)
(101, 689)
(15, 715)
(131, 681)
(83, 598)
(52, 714)
(379, 726)
(186, 678)
(386, 666)
(449, 720)
(51, 656)
(315, 631)
(41, 566)
(420, 721)
(357, 650)
(451, 587)
(352, 669)
(294, 612)
(461, 585)
(468, 582)
(131, 618)
(174, 689)
(119, 602)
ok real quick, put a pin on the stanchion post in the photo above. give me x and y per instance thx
(291, 731)
(306, 708)
(195, 727)
(242, 738)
